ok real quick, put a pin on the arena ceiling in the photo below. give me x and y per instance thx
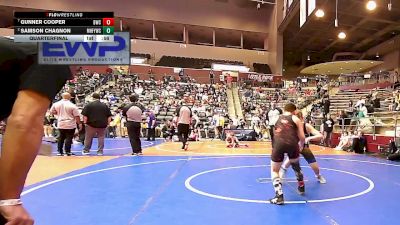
(318, 37)
(340, 67)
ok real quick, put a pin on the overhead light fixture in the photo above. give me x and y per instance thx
(390, 5)
(342, 35)
(320, 13)
(308, 58)
(377, 55)
(371, 5)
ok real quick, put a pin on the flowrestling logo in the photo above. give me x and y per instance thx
(87, 53)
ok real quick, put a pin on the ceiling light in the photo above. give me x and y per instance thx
(390, 5)
(371, 5)
(320, 13)
(308, 58)
(377, 55)
(342, 35)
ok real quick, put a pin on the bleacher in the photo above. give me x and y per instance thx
(141, 55)
(262, 68)
(264, 98)
(340, 101)
(196, 63)
(158, 97)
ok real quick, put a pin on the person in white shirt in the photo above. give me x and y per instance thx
(139, 90)
(272, 117)
(235, 122)
(360, 102)
(96, 75)
(67, 115)
(254, 121)
(184, 114)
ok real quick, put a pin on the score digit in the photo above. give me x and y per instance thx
(108, 21)
(108, 30)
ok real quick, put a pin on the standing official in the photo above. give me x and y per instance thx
(184, 114)
(67, 118)
(96, 116)
(133, 112)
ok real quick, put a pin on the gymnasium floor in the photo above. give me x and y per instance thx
(207, 185)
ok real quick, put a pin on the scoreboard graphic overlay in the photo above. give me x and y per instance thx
(73, 38)
(63, 26)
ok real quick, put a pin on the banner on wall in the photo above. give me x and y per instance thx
(232, 73)
(260, 77)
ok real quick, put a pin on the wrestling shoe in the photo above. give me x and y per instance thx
(321, 179)
(277, 200)
(301, 188)
(84, 152)
(186, 147)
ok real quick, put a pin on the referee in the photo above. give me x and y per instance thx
(184, 114)
(133, 113)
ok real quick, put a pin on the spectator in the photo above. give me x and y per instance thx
(343, 120)
(194, 136)
(273, 116)
(328, 128)
(327, 105)
(345, 141)
(151, 126)
(229, 80)
(212, 77)
(358, 142)
(29, 89)
(47, 126)
(362, 111)
(232, 141)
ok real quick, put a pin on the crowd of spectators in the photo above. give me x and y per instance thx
(161, 98)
